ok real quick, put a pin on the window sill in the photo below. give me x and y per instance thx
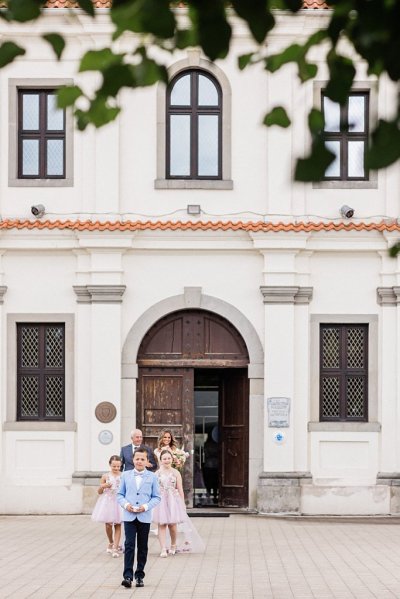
(346, 427)
(371, 184)
(33, 425)
(193, 184)
(68, 182)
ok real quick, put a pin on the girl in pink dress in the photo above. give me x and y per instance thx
(107, 509)
(171, 512)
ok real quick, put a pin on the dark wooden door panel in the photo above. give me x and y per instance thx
(165, 400)
(193, 335)
(234, 439)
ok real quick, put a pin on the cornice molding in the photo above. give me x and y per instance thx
(388, 296)
(282, 294)
(99, 294)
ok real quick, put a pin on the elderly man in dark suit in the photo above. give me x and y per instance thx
(127, 452)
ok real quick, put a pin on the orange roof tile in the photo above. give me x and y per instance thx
(307, 4)
(315, 4)
(254, 227)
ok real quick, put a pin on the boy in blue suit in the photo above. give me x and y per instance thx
(138, 494)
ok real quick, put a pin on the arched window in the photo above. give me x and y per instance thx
(194, 126)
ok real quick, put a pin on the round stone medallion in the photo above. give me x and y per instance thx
(105, 411)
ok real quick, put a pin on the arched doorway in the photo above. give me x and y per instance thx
(193, 379)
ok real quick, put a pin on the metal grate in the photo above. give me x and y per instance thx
(355, 348)
(30, 396)
(344, 372)
(355, 397)
(30, 347)
(54, 396)
(54, 347)
(331, 397)
(40, 371)
(330, 348)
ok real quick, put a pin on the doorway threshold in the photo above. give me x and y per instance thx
(219, 512)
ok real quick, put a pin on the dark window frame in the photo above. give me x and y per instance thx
(343, 373)
(344, 136)
(42, 371)
(42, 134)
(194, 111)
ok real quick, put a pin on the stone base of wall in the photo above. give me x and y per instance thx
(89, 482)
(392, 480)
(280, 492)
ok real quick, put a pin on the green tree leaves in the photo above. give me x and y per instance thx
(277, 116)
(57, 42)
(211, 27)
(144, 16)
(385, 146)
(8, 52)
(258, 16)
(372, 29)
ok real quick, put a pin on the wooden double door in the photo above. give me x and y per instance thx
(199, 390)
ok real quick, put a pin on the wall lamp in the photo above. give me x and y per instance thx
(346, 211)
(193, 209)
(38, 210)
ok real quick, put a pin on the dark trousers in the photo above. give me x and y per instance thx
(136, 533)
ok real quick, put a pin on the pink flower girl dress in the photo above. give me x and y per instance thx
(107, 509)
(172, 510)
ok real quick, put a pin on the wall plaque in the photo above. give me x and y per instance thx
(278, 411)
(105, 411)
(106, 437)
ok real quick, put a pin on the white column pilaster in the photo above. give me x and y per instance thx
(3, 357)
(99, 297)
(389, 413)
(286, 356)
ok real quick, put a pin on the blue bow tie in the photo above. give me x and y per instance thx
(138, 473)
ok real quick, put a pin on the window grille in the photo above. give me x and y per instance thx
(343, 372)
(41, 371)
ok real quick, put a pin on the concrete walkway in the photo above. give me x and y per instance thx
(247, 557)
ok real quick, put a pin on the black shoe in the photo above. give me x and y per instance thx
(139, 582)
(127, 583)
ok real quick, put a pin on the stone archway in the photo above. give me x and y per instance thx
(185, 358)
(193, 298)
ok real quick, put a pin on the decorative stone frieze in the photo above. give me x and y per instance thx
(282, 294)
(3, 291)
(99, 294)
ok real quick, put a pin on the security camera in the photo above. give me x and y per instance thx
(346, 211)
(38, 210)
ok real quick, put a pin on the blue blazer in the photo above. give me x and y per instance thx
(127, 457)
(149, 493)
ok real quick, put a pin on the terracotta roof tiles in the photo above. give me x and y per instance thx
(254, 227)
(315, 4)
(307, 4)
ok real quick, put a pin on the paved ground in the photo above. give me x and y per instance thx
(247, 557)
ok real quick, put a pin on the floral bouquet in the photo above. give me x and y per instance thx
(179, 457)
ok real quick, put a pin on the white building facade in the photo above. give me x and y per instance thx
(185, 282)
